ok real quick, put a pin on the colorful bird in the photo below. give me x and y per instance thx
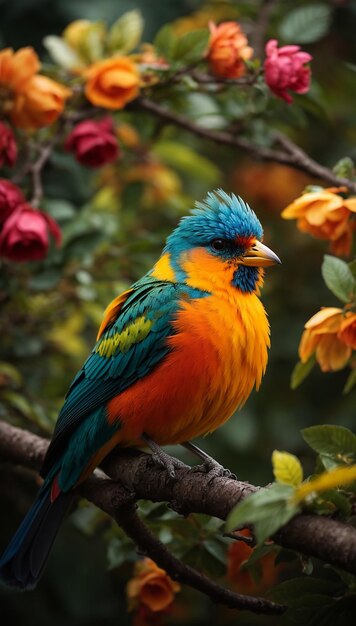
(175, 356)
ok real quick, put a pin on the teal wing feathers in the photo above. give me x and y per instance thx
(128, 349)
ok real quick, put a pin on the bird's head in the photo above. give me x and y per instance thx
(220, 241)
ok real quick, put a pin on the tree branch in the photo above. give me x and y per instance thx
(315, 535)
(119, 503)
(259, 32)
(290, 154)
(149, 544)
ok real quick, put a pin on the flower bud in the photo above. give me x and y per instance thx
(25, 235)
(93, 142)
(8, 147)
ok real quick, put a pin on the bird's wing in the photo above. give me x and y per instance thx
(130, 343)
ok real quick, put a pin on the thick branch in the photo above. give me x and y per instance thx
(290, 154)
(118, 502)
(314, 535)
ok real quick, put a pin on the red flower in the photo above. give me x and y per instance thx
(25, 235)
(285, 69)
(93, 143)
(8, 147)
(10, 198)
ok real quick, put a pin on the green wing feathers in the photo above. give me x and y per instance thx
(129, 347)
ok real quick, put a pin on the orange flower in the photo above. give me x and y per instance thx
(29, 99)
(347, 332)
(151, 586)
(243, 581)
(325, 215)
(331, 335)
(270, 185)
(112, 83)
(228, 49)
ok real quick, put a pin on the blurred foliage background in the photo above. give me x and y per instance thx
(114, 223)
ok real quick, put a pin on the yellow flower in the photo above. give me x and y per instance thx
(325, 335)
(325, 215)
(325, 481)
(151, 586)
(29, 99)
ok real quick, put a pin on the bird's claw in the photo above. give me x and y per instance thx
(167, 462)
(213, 470)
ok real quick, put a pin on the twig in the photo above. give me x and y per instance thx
(150, 545)
(327, 539)
(290, 154)
(259, 32)
(35, 169)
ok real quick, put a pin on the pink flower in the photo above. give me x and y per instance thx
(10, 198)
(25, 235)
(8, 147)
(93, 142)
(285, 69)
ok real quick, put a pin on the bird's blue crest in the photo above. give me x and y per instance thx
(220, 215)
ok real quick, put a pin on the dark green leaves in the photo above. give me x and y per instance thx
(267, 509)
(306, 24)
(301, 371)
(338, 278)
(335, 441)
(189, 48)
(192, 46)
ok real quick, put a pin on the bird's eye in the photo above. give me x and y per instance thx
(218, 244)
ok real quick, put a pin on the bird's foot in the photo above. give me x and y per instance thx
(162, 459)
(209, 465)
(213, 469)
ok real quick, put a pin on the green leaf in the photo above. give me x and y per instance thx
(120, 551)
(303, 591)
(328, 463)
(9, 375)
(339, 500)
(306, 24)
(126, 33)
(217, 549)
(276, 516)
(336, 441)
(188, 161)
(351, 382)
(191, 47)
(352, 268)
(338, 278)
(61, 210)
(91, 45)
(165, 41)
(345, 168)
(267, 509)
(257, 554)
(28, 409)
(61, 53)
(301, 371)
(45, 280)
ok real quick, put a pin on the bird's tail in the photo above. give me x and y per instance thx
(25, 557)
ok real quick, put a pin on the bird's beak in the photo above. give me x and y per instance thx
(259, 256)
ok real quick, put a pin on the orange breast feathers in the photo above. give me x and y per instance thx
(219, 353)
